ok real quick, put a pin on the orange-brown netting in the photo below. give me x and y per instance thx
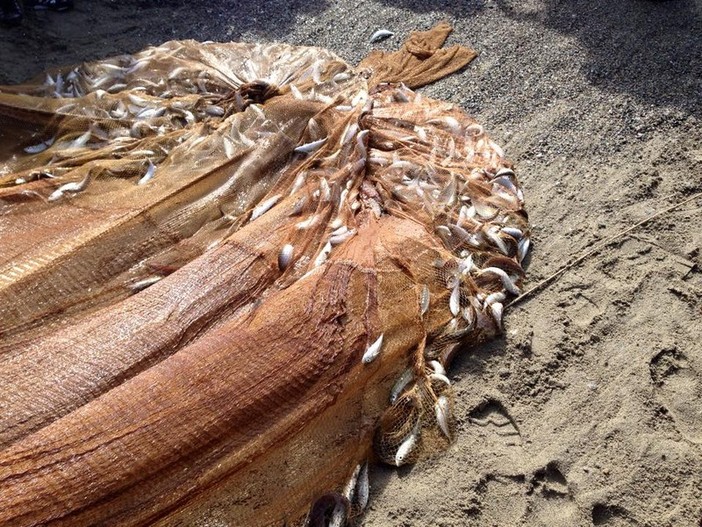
(232, 274)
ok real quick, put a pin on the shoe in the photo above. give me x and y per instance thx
(52, 5)
(11, 12)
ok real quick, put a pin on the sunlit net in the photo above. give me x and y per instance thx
(233, 274)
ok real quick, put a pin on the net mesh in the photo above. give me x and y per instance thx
(231, 274)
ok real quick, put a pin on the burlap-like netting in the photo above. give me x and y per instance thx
(232, 274)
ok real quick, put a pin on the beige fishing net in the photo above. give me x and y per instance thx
(232, 274)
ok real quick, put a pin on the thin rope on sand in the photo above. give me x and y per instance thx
(604, 243)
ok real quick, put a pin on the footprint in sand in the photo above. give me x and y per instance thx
(550, 500)
(501, 500)
(500, 495)
(610, 516)
(539, 499)
(680, 391)
(493, 416)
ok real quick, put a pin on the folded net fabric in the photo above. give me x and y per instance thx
(231, 274)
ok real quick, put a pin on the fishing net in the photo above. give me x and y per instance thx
(232, 274)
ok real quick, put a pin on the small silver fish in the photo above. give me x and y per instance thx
(350, 488)
(455, 300)
(407, 447)
(308, 148)
(309, 222)
(138, 101)
(214, 111)
(140, 64)
(506, 183)
(424, 299)
(373, 350)
(437, 367)
(379, 160)
(150, 113)
(81, 141)
(116, 87)
(506, 280)
(401, 383)
(341, 238)
(120, 111)
(285, 256)
(469, 315)
(496, 310)
(228, 146)
(381, 34)
(260, 209)
(513, 232)
(523, 248)
(296, 92)
(499, 242)
(440, 377)
(73, 186)
(341, 77)
(444, 232)
(474, 130)
(149, 174)
(238, 137)
(58, 85)
(449, 122)
(465, 265)
(350, 131)
(323, 254)
(360, 141)
(299, 181)
(143, 284)
(324, 190)
(67, 107)
(341, 229)
(441, 408)
(363, 488)
(404, 165)
(35, 149)
(338, 516)
(494, 297)
(172, 75)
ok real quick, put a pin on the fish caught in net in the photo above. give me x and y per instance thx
(231, 275)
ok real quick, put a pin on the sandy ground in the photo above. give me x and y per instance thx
(589, 410)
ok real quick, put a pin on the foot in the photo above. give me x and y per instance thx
(10, 12)
(53, 5)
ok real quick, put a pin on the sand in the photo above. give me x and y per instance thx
(589, 410)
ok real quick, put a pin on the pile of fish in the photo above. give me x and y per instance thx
(231, 275)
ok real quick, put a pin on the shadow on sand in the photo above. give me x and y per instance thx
(651, 50)
(101, 29)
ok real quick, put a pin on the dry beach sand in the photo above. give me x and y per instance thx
(589, 410)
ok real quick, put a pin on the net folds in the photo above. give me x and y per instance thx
(233, 274)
